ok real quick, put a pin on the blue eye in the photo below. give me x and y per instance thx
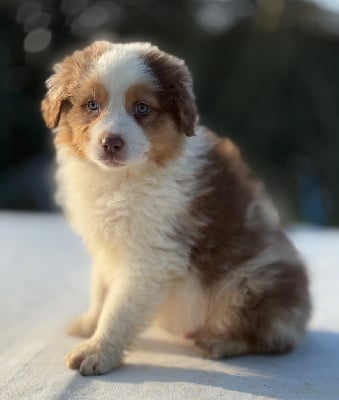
(92, 105)
(141, 109)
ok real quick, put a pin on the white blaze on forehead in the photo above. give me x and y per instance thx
(121, 67)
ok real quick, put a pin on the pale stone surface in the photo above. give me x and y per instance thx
(44, 274)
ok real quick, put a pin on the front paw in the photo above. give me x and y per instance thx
(83, 326)
(93, 358)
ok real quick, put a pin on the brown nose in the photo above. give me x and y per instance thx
(112, 144)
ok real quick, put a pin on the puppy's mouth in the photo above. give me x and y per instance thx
(112, 161)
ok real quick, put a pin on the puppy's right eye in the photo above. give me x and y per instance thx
(92, 105)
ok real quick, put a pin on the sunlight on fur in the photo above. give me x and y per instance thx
(179, 230)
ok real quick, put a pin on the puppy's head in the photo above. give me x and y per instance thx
(119, 104)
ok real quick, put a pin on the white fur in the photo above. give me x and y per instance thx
(262, 212)
(122, 61)
(285, 331)
(119, 68)
(185, 308)
(274, 252)
(129, 220)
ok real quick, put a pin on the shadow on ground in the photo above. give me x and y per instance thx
(310, 371)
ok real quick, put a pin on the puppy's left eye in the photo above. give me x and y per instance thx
(141, 109)
(92, 105)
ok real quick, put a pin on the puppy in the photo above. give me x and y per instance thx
(179, 230)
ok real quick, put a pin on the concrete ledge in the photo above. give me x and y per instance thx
(44, 274)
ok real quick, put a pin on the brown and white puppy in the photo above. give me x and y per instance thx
(179, 231)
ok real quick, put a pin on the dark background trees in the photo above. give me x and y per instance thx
(266, 73)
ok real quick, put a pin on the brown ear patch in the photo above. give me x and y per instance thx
(68, 75)
(175, 93)
(51, 111)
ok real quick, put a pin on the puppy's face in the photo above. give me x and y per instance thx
(119, 104)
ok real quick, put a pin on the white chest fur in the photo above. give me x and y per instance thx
(137, 213)
(142, 208)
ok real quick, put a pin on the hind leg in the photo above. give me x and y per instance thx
(263, 310)
(232, 343)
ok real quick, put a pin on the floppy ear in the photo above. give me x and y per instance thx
(66, 79)
(176, 93)
(51, 109)
(59, 90)
(188, 111)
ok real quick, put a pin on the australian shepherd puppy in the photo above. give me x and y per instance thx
(179, 230)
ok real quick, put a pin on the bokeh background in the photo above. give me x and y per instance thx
(266, 73)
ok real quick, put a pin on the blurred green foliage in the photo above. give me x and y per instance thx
(266, 74)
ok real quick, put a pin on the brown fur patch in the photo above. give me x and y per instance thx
(254, 304)
(175, 89)
(166, 140)
(77, 120)
(69, 75)
(225, 240)
(266, 309)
